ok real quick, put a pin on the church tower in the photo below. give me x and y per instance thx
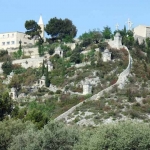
(41, 24)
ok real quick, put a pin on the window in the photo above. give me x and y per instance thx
(3, 43)
(12, 35)
(3, 36)
(12, 42)
(25, 42)
(8, 43)
(8, 35)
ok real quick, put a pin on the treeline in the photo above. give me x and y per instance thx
(57, 29)
(15, 135)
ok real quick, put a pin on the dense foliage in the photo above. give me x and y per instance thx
(93, 36)
(119, 136)
(7, 67)
(16, 135)
(54, 136)
(33, 30)
(107, 32)
(6, 105)
(61, 29)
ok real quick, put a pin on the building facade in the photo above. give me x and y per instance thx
(142, 31)
(11, 40)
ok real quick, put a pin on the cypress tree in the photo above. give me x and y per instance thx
(20, 49)
(46, 78)
(43, 68)
(39, 49)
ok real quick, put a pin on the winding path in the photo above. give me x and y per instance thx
(120, 83)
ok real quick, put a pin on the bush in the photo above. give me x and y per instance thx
(58, 92)
(51, 51)
(7, 67)
(9, 129)
(54, 136)
(119, 136)
(50, 92)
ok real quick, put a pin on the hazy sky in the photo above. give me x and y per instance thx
(85, 14)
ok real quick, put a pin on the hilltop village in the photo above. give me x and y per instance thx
(100, 78)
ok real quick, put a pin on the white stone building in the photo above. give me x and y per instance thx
(117, 42)
(50, 66)
(141, 32)
(58, 51)
(13, 93)
(87, 88)
(10, 40)
(106, 55)
(42, 81)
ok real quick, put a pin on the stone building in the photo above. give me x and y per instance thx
(141, 32)
(58, 51)
(42, 81)
(10, 40)
(117, 42)
(106, 55)
(87, 88)
(50, 66)
(13, 93)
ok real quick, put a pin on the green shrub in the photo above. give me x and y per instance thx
(117, 136)
(58, 92)
(54, 136)
(11, 128)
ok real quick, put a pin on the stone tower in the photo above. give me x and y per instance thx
(41, 24)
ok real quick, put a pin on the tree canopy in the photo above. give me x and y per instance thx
(7, 67)
(5, 105)
(93, 36)
(107, 32)
(33, 30)
(61, 29)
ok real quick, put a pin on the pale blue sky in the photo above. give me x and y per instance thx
(85, 14)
